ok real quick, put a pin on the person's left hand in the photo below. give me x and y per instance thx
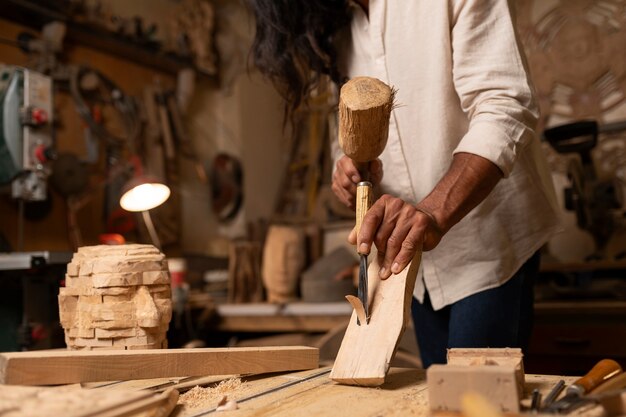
(399, 230)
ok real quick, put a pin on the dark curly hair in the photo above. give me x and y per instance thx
(294, 44)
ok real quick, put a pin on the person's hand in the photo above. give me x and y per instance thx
(346, 178)
(399, 230)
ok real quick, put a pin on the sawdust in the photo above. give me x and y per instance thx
(200, 397)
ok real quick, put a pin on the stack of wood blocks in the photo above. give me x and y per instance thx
(116, 297)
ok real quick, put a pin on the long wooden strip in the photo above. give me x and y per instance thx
(67, 367)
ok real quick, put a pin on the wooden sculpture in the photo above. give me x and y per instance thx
(116, 297)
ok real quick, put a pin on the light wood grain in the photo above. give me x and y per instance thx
(366, 351)
(365, 105)
(66, 367)
(448, 383)
(72, 401)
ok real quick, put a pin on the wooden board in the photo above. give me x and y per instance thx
(66, 367)
(72, 401)
(366, 350)
(314, 394)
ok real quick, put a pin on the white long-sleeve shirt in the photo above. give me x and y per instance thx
(462, 87)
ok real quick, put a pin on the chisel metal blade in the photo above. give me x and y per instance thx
(362, 292)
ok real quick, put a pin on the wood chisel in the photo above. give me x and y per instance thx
(363, 203)
(364, 111)
(602, 372)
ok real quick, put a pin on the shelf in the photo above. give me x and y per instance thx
(34, 15)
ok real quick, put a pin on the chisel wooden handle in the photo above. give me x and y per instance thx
(363, 202)
(613, 384)
(601, 372)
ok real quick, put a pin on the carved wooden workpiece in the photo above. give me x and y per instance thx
(367, 350)
(116, 297)
(369, 344)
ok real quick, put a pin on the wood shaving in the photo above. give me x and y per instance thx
(226, 405)
(199, 396)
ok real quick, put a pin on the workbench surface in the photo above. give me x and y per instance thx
(312, 393)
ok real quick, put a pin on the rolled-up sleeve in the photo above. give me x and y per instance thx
(490, 77)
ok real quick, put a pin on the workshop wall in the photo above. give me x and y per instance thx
(51, 232)
(577, 59)
(241, 115)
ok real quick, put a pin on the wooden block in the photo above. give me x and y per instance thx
(107, 348)
(81, 341)
(116, 279)
(126, 279)
(90, 299)
(156, 289)
(139, 340)
(143, 347)
(144, 331)
(162, 295)
(122, 264)
(366, 350)
(490, 356)
(68, 367)
(106, 299)
(165, 308)
(79, 282)
(73, 269)
(112, 311)
(156, 277)
(115, 333)
(448, 383)
(121, 322)
(113, 290)
(73, 291)
(116, 250)
(67, 309)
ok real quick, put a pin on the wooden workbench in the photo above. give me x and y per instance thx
(312, 393)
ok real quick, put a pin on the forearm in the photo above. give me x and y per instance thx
(468, 182)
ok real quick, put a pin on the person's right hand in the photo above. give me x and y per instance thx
(346, 178)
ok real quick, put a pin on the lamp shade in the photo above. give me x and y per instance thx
(143, 193)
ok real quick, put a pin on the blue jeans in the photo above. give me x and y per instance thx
(497, 317)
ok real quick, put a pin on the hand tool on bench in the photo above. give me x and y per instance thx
(369, 343)
(602, 372)
(364, 108)
(553, 394)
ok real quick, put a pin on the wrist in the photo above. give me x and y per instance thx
(437, 220)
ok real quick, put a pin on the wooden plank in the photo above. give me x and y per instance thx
(402, 394)
(366, 350)
(67, 367)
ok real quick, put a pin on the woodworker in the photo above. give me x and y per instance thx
(464, 175)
